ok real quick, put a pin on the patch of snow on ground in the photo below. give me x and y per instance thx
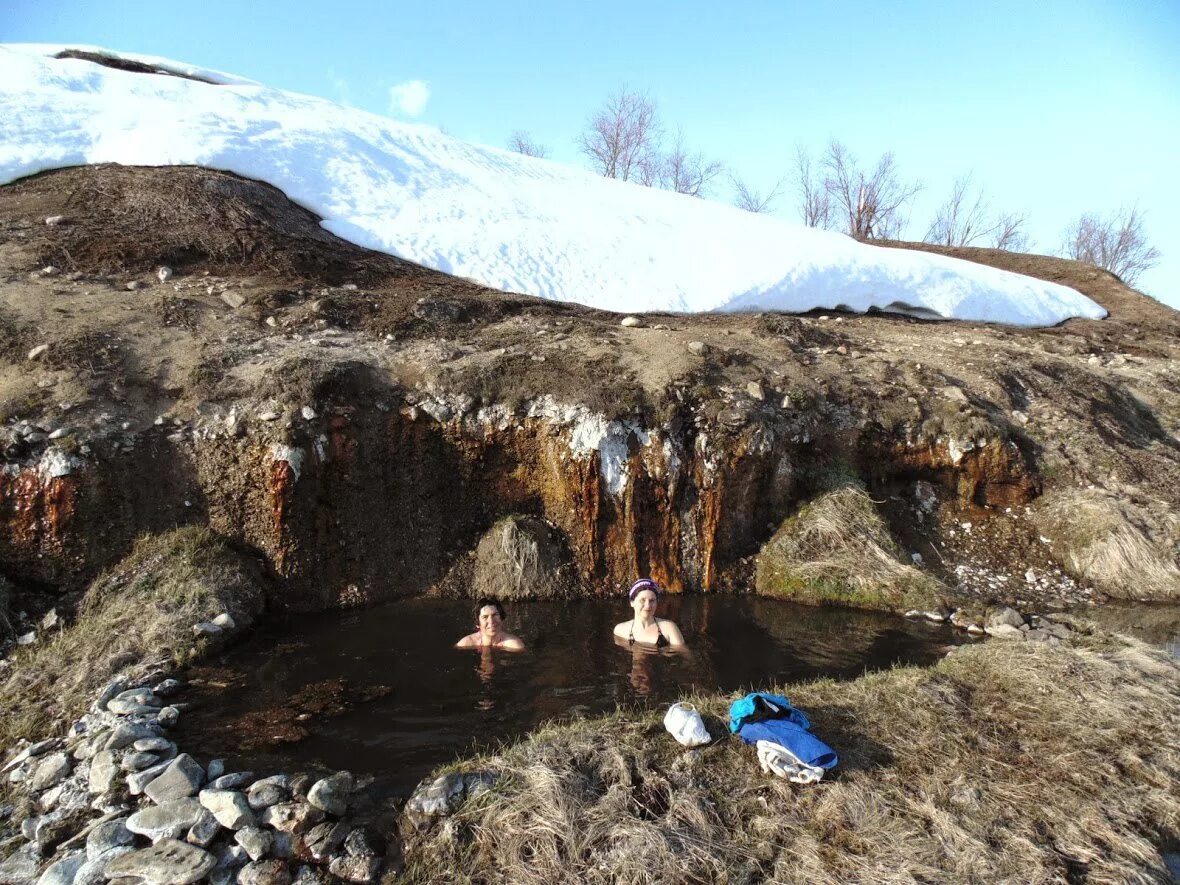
(511, 222)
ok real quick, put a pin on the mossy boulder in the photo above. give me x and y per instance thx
(522, 557)
(837, 550)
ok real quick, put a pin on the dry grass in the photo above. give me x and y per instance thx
(5, 603)
(837, 549)
(522, 557)
(1004, 762)
(139, 613)
(1114, 544)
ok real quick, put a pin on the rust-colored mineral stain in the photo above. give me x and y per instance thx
(282, 479)
(37, 513)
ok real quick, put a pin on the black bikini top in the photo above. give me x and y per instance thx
(661, 640)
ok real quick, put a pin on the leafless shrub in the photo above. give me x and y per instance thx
(962, 219)
(1117, 243)
(752, 200)
(623, 136)
(685, 171)
(521, 142)
(870, 202)
(1009, 233)
(815, 204)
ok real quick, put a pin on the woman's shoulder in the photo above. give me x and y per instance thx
(621, 629)
(471, 640)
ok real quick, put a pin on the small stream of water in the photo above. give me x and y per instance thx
(383, 692)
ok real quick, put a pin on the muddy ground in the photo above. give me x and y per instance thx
(420, 408)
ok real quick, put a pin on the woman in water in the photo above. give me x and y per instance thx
(645, 627)
(490, 632)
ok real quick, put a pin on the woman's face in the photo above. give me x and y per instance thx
(489, 620)
(644, 603)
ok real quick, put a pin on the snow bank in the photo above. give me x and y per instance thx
(508, 221)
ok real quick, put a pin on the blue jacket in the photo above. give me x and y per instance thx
(760, 716)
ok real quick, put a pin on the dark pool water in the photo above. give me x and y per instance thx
(382, 691)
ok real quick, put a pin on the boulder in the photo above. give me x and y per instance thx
(107, 835)
(167, 820)
(51, 771)
(292, 817)
(204, 831)
(355, 869)
(62, 872)
(256, 841)
(522, 557)
(20, 867)
(265, 872)
(94, 871)
(446, 793)
(229, 807)
(1004, 631)
(1003, 615)
(103, 770)
(323, 839)
(168, 862)
(183, 777)
(331, 794)
(234, 781)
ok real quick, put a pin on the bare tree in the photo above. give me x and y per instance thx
(685, 172)
(962, 219)
(1117, 243)
(1009, 232)
(521, 142)
(746, 197)
(871, 202)
(622, 137)
(815, 204)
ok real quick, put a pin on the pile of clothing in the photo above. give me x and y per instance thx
(782, 735)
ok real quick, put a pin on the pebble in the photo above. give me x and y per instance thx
(164, 273)
(233, 299)
(308, 413)
(38, 351)
(234, 781)
(55, 220)
(215, 769)
(225, 621)
(133, 285)
(700, 348)
(631, 323)
(755, 390)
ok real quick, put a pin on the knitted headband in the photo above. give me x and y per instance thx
(641, 585)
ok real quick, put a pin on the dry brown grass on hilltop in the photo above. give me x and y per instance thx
(1005, 762)
(140, 611)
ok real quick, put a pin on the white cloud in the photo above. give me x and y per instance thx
(409, 98)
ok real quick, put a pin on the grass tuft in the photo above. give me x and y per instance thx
(837, 549)
(138, 614)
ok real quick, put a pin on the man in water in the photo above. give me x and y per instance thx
(490, 632)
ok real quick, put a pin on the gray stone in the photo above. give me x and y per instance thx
(136, 783)
(446, 793)
(754, 389)
(225, 621)
(232, 856)
(255, 840)
(168, 862)
(108, 835)
(168, 687)
(360, 844)
(229, 807)
(20, 867)
(50, 771)
(133, 701)
(168, 820)
(53, 829)
(215, 769)
(283, 845)
(323, 839)
(127, 733)
(139, 761)
(1003, 615)
(309, 875)
(266, 793)
(300, 784)
(1004, 631)
(631, 322)
(234, 781)
(62, 872)
(182, 777)
(168, 717)
(292, 817)
(355, 869)
(332, 793)
(233, 299)
(223, 876)
(153, 745)
(42, 747)
(93, 872)
(265, 872)
(204, 831)
(700, 348)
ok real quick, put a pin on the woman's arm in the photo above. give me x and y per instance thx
(672, 632)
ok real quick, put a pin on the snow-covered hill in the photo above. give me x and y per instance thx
(505, 220)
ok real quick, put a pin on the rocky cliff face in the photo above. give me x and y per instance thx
(360, 422)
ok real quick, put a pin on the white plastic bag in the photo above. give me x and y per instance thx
(777, 759)
(684, 723)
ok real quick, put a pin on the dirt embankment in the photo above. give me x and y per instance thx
(361, 421)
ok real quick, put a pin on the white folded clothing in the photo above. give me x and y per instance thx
(777, 759)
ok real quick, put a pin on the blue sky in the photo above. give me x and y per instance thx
(1055, 108)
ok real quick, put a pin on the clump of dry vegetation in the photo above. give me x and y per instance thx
(139, 613)
(1114, 544)
(5, 603)
(522, 557)
(837, 549)
(1004, 762)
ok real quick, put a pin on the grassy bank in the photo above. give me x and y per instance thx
(140, 613)
(1004, 762)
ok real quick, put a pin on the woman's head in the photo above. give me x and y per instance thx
(644, 595)
(489, 615)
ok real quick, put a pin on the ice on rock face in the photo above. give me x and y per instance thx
(508, 221)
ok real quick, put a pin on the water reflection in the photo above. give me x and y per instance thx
(444, 702)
